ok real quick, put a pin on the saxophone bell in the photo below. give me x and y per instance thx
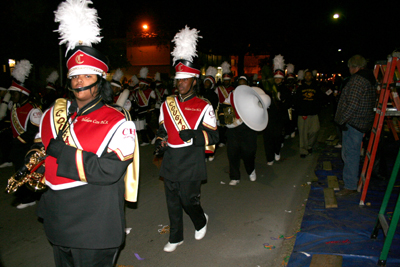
(27, 174)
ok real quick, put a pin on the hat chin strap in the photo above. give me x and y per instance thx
(86, 87)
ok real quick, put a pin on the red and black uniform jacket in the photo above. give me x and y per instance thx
(84, 205)
(184, 161)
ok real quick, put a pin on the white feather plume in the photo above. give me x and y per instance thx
(157, 77)
(52, 77)
(279, 62)
(118, 75)
(300, 75)
(290, 68)
(185, 44)
(143, 72)
(78, 23)
(135, 81)
(314, 73)
(226, 67)
(22, 70)
(211, 71)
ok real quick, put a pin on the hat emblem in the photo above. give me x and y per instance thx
(78, 59)
(180, 67)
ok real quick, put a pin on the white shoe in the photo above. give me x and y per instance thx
(234, 182)
(153, 141)
(169, 247)
(270, 163)
(277, 157)
(211, 158)
(6, 164)
(221, 145)
(202, 232)
(25, 205)
(337, 146)
(293, 134)
(253, 176)
(287, 136)
(144, 144)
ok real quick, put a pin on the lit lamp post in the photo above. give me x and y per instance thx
(336, 16)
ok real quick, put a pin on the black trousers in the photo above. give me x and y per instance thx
(183, 196)
(74, 257)
(273, 139)
(222, 134)
(242, 144)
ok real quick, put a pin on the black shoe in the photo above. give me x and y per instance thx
(303, 156)
(310, 151)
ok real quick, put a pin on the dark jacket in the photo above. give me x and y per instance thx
(308, 99)
(357, 102)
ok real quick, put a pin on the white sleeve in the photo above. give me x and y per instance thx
(123, 141)
(209, 117)
(35, 116)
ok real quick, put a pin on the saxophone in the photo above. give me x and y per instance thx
(28, 175)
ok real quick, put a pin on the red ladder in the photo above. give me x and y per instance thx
(384, 73)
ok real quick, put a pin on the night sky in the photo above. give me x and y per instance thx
(304, 32)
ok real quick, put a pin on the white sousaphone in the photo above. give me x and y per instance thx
(251, 104)
(124, 102)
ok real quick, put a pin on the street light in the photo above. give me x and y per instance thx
(145, 26)
(336, 16)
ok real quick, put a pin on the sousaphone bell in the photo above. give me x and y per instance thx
(251, 106)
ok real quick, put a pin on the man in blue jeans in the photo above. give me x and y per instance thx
(355, 114)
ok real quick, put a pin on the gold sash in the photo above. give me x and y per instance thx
(60, 118)
(132, 171)
(223, 91)
(176, 115)
(15, 120)
(132, 176)
(143, 97)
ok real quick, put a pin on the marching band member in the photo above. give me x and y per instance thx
(25, 118)
(242, 144)
(187, 125)
(51, 90)
(116, 83)
(89, 146)
(161, 94)
(223, 92)
(210, 95)
(120, 95)
(278, 114)
(145, 96)
(160, 90)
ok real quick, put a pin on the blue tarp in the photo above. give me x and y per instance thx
(345, 230)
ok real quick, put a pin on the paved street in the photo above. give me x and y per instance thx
(242, 218)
